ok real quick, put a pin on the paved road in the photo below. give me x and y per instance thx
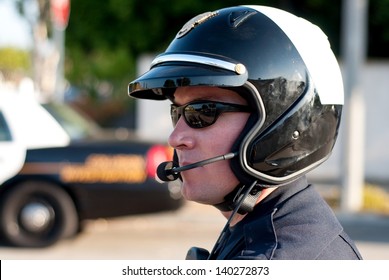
(169, 235)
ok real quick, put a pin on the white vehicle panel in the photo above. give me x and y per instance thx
(24, 125)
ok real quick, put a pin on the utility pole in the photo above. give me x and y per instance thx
(60, 10)
(353, 38)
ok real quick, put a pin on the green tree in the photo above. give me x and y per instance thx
(14, 63)
(378, 44)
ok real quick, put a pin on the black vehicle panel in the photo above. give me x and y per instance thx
(105, 179)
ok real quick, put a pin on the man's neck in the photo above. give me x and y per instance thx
(238, 217)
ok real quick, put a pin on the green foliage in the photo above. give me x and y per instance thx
(379, 28)
(375, 199)
(12, 59)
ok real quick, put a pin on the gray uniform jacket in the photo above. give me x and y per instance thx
(293, 222)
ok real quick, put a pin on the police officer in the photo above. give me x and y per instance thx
(256, 96)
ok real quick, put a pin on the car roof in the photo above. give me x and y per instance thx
(30, 122)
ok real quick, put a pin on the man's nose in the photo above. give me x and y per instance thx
(181, 135)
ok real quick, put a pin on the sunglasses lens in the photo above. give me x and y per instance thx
(196, 115)
(174, 114)
(200, 115)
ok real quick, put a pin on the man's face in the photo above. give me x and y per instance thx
(208, 184)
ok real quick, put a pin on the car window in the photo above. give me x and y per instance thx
(76, 125)
(5, 133)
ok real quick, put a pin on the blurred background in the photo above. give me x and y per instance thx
(84, 54)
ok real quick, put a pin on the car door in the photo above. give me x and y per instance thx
(12, 151)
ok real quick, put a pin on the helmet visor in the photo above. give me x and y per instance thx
(170, 74)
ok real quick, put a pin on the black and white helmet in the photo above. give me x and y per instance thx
(282, 64)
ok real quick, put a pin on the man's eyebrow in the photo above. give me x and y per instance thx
(197, 99)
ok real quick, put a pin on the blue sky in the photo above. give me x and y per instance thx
(14, 29)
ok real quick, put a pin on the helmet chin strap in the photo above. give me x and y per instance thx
(242, 199)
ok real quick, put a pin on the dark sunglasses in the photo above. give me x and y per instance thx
(200, 114)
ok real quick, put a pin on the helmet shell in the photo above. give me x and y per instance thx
(281, 63)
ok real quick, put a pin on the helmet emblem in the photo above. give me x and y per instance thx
(194, 22)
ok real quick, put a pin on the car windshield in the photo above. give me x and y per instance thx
(75, 124)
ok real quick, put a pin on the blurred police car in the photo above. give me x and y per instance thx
(58, 169)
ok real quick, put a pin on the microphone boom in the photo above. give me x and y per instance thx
(166, 171)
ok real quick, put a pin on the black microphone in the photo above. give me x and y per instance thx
(167, 171)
